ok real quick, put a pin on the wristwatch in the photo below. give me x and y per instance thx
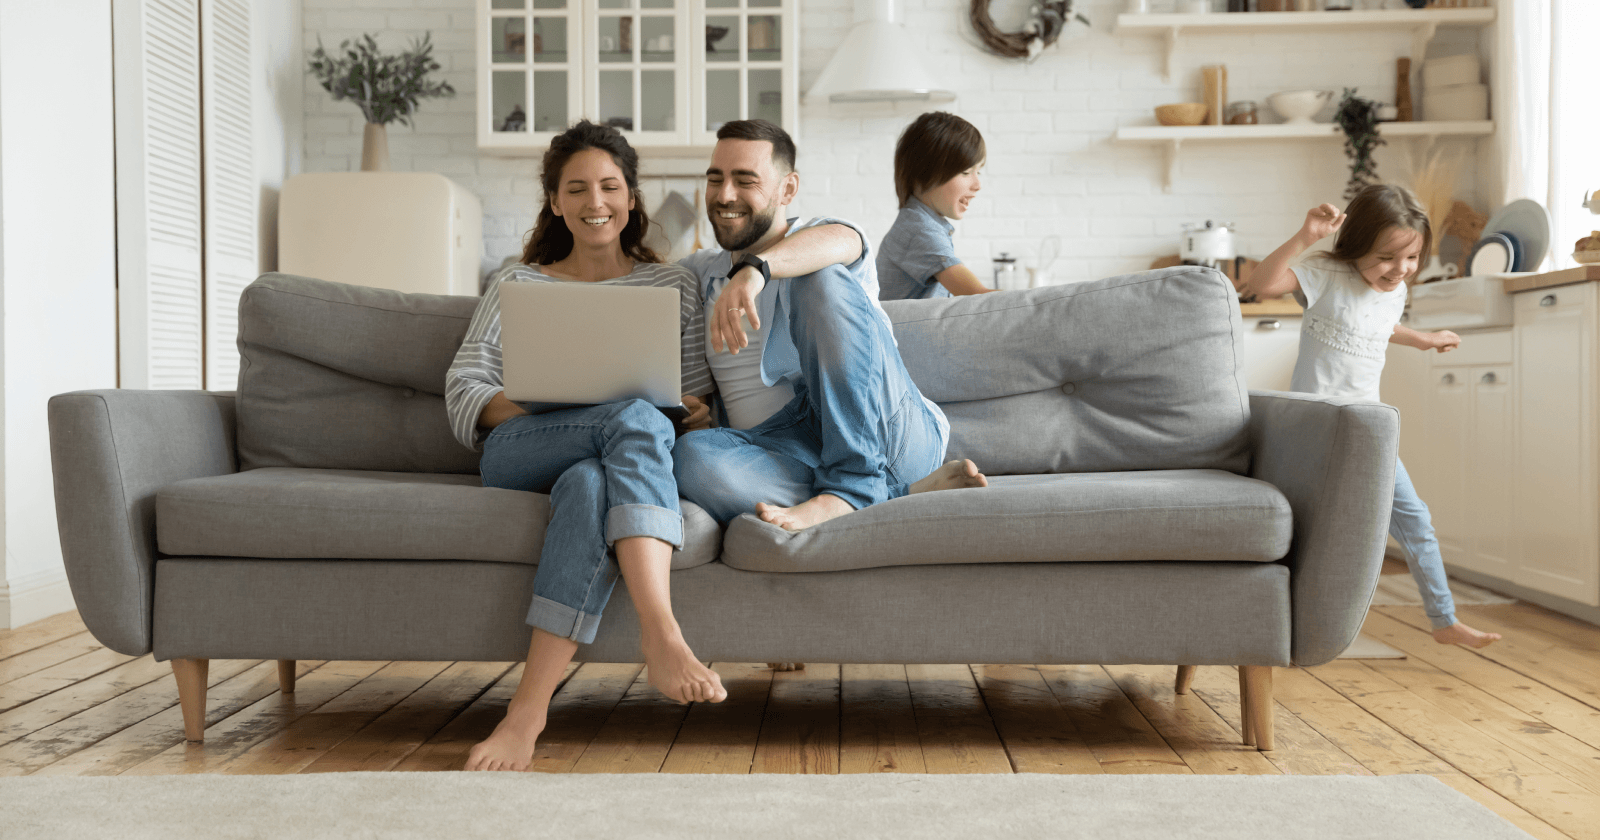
(754, 262)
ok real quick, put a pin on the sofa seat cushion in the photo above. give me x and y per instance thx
(283, 512)
(1150, 515)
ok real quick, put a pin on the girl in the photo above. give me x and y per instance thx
(1354, 296)
(608, 468)
(936, 165)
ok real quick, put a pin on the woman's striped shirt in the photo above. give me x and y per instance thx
(476, 375)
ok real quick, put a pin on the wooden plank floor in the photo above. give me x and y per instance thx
(1516, 726)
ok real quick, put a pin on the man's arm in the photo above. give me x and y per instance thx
(796, 255)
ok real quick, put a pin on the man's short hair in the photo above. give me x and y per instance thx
(782, 143)
(934, 148)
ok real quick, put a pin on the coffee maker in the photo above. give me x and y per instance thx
(1210, 245)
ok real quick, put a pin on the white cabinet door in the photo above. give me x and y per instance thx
(1486, 466)
(637, 76)
(530, 71)
(1440, 478)
(1407, 380)
(1555, 506)
(1270, 347)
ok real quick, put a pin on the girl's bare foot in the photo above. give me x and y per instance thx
(813, 511)
(673, 670)
(510, 746)
(1461, 634)
(787, 666)
(954, 475)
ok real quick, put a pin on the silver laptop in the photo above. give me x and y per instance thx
(568, 344)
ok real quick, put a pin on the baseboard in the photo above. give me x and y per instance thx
(32, 597)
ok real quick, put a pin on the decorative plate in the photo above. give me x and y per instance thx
(1494, 254)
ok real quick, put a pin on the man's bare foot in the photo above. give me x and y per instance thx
(510, 746)
(787, 666)
(954, 475)
(813, 511)
(1461, 634)
(673, 670)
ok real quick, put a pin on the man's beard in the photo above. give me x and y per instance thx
(756, 226)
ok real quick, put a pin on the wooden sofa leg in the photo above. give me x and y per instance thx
(1244, 710)
(1259, 703)
(286, 675)
(191, 676)
(1185, 679)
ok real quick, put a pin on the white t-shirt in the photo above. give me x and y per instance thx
(1344, 334)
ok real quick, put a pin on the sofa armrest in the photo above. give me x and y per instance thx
(1334, 459)
(110, 451)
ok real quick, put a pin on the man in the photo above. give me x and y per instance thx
(820, 417)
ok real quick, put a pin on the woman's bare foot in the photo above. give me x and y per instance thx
(1461, 634)
(673, 670)
(787, 666)
(813, 511)
(954, 475)
(510, 746)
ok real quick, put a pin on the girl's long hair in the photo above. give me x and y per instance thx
(551, 239)
(1374, 210)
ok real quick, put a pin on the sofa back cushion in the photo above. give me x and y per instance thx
(1136, 372)
(347, 377)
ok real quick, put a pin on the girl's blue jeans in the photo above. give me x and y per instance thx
(1412, 527)
(608, 470)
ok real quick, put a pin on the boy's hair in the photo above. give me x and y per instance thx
(782, 143)
(934, 148)
(1375, 209)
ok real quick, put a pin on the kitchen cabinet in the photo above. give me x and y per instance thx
(1271, 344)
(667, 73)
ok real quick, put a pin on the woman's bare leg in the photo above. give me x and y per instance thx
(673, 669)
(510, 746)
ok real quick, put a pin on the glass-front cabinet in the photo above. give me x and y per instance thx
(667, 73)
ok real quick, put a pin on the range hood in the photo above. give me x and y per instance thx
(876, 63)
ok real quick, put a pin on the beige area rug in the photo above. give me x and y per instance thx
(402, 806)
(1401, 591)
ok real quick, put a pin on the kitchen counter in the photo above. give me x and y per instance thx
(1564, 277)
(1282, 307)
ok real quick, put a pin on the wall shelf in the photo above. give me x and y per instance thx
(1422, 23)
(1174, 136)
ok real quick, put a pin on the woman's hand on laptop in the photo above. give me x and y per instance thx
(738, 300)
(699, 414)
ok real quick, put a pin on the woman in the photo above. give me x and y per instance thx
(607, 468)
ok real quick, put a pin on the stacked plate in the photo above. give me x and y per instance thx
(1515, 239)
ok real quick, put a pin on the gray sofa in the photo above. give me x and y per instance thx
(1144, 507)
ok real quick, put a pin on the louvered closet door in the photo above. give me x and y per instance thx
(230, 182)
(159, 254)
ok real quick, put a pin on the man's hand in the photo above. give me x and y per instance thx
(1444, 341)
(738, 299)
(699, 414)
(1321, 222)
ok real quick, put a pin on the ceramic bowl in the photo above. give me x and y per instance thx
(1298, 106)
(1182, 113)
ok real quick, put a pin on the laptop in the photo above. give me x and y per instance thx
(571, 344)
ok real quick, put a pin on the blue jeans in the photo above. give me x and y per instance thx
(608, 470)
(857, 427)
(1412, 527)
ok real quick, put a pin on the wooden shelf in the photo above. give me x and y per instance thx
(1174, 136)
(1422, 23)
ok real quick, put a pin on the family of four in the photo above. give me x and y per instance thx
(816, 413)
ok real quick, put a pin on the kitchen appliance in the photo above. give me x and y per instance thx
(1210, 245)
(1528, 223)
(1298, 106)
(1006, 277)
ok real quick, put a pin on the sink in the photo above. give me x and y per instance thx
(1462, 304)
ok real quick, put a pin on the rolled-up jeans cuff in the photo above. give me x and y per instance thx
(624, 521)
(558, 619)
(1440, 622)
(852, 498)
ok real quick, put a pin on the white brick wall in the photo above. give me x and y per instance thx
(1053, 167)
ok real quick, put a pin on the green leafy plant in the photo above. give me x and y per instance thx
(1358, 118)
(386, 88)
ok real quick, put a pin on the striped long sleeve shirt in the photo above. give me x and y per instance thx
(477, 373)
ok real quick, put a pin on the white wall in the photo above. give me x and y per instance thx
(1053, 167)
(279, 112)
(57, 266)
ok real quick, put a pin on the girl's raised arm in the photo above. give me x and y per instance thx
(1272, 278)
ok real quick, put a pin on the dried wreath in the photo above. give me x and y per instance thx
(1046, 21)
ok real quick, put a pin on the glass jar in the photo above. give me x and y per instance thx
(1242, 113)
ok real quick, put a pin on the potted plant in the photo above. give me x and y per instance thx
(1358, 118)
(386, 88)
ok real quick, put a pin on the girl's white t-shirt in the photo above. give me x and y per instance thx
(1345, 331)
